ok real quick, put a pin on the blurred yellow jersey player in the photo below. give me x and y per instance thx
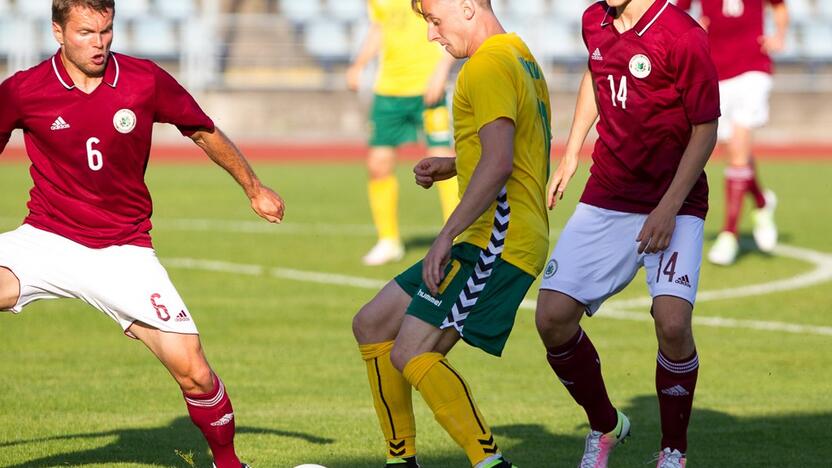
(408, 101)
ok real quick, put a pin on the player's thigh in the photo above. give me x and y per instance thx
(595, 257)
(129, 285)
(9, 289)
(381, 318)
(675, 270)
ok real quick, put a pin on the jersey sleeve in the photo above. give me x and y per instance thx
(696, 77)
(9, 112)
(174, 105)
(684, 4)
(491, 90)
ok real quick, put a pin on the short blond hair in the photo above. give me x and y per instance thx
(61, 8)
(416, 5)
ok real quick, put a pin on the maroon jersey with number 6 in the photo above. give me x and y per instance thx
(652, 84)
(89, 151)
(735, 28)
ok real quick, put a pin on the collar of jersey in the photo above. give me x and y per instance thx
(110, 73)
(647, 19)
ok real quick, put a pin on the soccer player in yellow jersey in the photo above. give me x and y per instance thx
(470, 290)
(409, 99)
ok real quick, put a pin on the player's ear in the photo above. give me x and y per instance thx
(468, 8)
(58, 33)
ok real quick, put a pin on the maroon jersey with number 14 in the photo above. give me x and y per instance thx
(89, 151)
(652, 84)
(735, 28)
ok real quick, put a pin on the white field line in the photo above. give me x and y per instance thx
(612, 309)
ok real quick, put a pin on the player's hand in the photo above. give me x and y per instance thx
(430, 170)
(560, 179)
(433, 266)
(772, 44)
(657, 230)
(268, 205)
(354, 77)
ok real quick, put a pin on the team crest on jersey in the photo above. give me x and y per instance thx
(640, 66)
(124, 121)
(551, 269)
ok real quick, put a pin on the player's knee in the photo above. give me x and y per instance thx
(556, 316)
(399, 358)
(674, 333)
(362, 323)
(197, 378)
(9, 289)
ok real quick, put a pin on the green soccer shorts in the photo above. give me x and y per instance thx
(480, 307)
(397, 120)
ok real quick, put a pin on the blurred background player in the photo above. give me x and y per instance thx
(409, 95)
(470, 290)
(741, 50)
(653, 88)
(87, 115)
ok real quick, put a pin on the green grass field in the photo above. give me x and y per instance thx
(75, 392)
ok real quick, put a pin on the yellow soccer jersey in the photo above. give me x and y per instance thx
(407, 59)
(502, 79)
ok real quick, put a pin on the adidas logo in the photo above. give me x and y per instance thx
(676, 390)
(223, 420)
(59, 124)
(683, 280)
(597, 55)
(182, 317)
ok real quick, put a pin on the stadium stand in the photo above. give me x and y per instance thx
(275, 42)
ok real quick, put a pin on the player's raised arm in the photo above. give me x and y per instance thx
(586, 113)
(264, 201)
(369, 49)
(489, 177)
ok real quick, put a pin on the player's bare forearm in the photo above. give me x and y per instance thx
(586, 113)
(370, 46)
(222, 151)
(777, 41)
(696, 155)
(436, 84)
(489, 177)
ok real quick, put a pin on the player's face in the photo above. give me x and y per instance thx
(86, 39)
(447, 25)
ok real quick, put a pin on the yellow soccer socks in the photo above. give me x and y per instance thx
(449, 397)
(392, 400)
(448, 196)
(384, 202)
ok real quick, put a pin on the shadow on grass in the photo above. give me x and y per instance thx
(419, 242)
(150, 446)
(715, 439)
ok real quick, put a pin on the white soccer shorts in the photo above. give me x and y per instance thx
(744, 102)
(597, 256)
(125, 282)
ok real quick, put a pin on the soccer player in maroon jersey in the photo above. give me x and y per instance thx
(741, 53)
(653, 88)
(87, 115)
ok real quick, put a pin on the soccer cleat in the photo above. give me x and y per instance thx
(409, 462)
(599, 445)
(385, 251)
(765, 231)
(499, 462)
(671, 459)
(725, 249)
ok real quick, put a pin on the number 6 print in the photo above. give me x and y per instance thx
(161, 310)
(94, 157)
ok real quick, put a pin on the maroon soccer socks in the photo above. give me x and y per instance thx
(675, 383)
(213, 415)
(577, 365)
